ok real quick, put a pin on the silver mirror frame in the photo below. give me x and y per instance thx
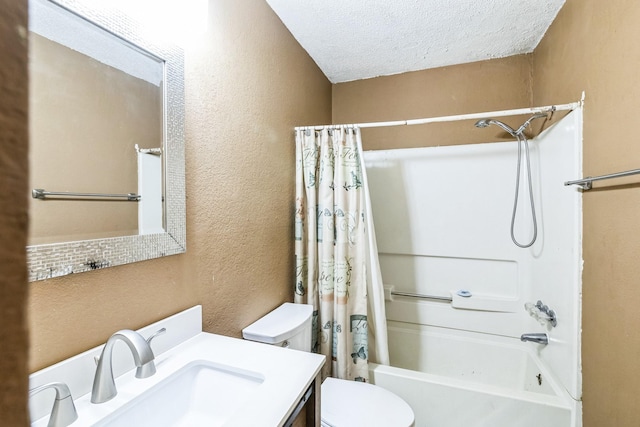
(60, 259)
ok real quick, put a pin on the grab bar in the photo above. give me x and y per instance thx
(586, 183)
(432, 297)
(39, 193)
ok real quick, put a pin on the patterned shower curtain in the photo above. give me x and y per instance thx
(337, 269)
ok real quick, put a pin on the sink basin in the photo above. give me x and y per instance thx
(201, 393)
(201, 379)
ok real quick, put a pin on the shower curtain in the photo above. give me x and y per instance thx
(337, 269)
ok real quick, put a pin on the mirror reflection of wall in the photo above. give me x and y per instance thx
(93, 98)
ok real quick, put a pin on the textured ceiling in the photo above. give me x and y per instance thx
(359, 39)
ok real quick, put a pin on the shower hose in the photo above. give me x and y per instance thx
(522, 140)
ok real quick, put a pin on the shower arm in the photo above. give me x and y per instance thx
(532, 118)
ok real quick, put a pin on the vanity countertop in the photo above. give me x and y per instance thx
(286, 375)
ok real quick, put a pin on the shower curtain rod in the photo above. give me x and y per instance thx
(504, 113)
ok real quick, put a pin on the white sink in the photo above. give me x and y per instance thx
(202, 379)
(201, 393)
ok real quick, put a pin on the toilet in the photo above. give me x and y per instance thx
(343, 403)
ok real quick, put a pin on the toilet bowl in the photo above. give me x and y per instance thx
(343, 403)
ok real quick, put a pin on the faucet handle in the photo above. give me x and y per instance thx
(542, 313)
(161, 331)
(148, 369)
(63, 412)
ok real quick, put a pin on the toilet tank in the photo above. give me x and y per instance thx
(287, 326)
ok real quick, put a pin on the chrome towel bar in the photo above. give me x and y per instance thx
(431, 297)
(586, 183)
(39, 193)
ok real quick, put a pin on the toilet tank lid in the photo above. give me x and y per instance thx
(280, 324)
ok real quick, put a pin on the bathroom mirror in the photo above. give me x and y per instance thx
(107, 144)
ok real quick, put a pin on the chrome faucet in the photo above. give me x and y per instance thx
(104, 386)
(537, 338)
(64, 411)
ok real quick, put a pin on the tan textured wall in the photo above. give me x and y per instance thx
(13, 212)
(593, 46)
(493, 85)
(248, 83)
(71, 151)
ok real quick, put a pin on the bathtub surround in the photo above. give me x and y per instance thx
(332, 249)
(443, 219)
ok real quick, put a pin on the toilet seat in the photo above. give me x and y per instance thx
(356, 404)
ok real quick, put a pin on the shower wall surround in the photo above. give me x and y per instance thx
(442, 217)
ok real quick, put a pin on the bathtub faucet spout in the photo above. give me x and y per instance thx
(537, 338)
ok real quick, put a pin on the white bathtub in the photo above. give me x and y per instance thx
(457, 378)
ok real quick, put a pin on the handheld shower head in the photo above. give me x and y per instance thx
(483, 123)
